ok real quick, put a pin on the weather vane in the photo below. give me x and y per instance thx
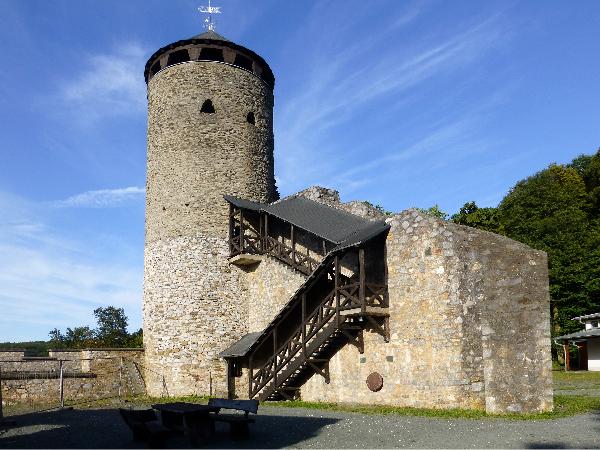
(210, 10)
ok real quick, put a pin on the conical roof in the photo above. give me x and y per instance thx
(210, 34)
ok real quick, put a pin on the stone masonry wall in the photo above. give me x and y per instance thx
(194, 307)
(270, 286)
(469, 319)
(194, 301)
(195, 158)
(92, 374)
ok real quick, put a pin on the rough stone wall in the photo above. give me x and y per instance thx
(92, 374)
(270, 286)
(469, 322)
(194, 301)
(194, 307)
(195, 158)
(331, 197)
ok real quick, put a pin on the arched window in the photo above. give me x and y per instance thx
(250, 118)
(207, 107)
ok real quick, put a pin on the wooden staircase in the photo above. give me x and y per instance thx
(344, 294)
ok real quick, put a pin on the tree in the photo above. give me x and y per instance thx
(112, 327)
(110, 332)
(483, 218)
(435, 211)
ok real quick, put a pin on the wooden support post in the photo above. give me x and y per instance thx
(230, 229)
(304, 326)
(241, 231)
(337, 288)
(293, 238)
(250, 375)
(324, 248)
(567, 357)
(275, 356)
(362, 277)
(267, 243)
(386, 295)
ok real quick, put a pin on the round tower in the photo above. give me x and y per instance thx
(210, 133)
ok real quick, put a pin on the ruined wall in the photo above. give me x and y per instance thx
(194, 301)
(469, 320)
(89, 375)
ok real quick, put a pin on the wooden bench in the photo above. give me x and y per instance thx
(145, 427)
(238, 423)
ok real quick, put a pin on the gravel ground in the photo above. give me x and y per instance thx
(286, 427)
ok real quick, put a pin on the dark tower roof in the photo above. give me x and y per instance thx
(210, 34)
(218, 49)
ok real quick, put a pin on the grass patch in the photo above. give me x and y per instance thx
(564, 406)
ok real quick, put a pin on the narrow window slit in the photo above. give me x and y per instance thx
(250, 118)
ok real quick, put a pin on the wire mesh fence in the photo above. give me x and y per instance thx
(38, 384)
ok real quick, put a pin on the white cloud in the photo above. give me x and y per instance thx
(111, 84)
(342, 89)
(51, 279)
(102, 198)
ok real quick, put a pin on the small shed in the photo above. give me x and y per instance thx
(587, 342)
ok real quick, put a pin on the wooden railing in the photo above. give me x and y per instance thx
(315, 326)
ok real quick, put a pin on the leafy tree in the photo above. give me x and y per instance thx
(483, 218)
(435, 211)
(112, 327)
(110, 332)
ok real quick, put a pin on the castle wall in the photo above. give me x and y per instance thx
(270, 285)
(194, 301)
(469, 322)
(89, 375)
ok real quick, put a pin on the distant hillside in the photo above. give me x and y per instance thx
(34, 348)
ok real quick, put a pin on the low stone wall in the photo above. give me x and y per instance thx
(88, 375)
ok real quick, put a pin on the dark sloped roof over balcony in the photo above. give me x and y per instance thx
(329, 223)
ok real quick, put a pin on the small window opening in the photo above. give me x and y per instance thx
(177, 57)
(250, 118)
(207, 107)
(211, 54)
(243, 62)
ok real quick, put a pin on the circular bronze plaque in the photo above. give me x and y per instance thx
(375, 381)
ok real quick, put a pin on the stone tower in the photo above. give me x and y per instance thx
(210, 133)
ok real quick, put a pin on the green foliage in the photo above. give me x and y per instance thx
(32, 348)
(556, 210)
(434, 211)
(483, 218)
(112, 327)
(110, 332)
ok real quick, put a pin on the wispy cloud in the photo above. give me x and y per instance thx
(110, 84)
(102, 198)
(338, 90)
(52, 279)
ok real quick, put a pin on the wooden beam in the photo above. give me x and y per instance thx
(242, 230)
(275, 355)
(293, 238)
(362, 275)
(304, 326)
(250, 374)
(337, 285)
(567, 357)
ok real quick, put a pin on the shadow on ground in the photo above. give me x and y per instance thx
(104, 428)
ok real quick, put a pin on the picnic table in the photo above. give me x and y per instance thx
(194, 420)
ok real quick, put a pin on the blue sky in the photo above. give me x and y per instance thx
(403, 103)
